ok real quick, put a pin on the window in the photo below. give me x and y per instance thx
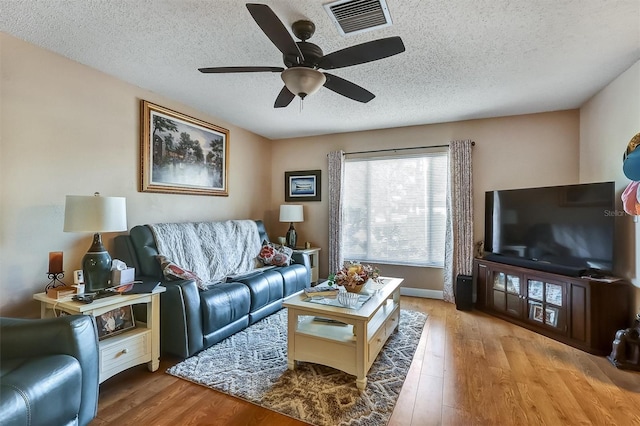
(394, 209)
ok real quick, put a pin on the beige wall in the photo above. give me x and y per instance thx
(510, 152)
(68, 129)
(608, 121)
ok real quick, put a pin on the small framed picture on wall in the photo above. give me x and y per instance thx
(302, 185)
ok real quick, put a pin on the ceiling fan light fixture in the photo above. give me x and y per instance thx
(303, 81)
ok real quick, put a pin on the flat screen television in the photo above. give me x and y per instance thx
(565, 229)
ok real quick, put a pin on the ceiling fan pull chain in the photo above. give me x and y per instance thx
(301, 105)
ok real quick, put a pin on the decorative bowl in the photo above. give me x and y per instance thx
(348, 300)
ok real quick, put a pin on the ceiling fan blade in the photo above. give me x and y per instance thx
(346, 88)
(240, 69)
(362, 53)
(284, 98)
(273, 28)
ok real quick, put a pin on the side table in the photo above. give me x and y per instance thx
(314, 257)
(121, 351)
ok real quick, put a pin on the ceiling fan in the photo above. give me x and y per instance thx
(303, 59)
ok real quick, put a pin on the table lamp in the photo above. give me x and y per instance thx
(95, 214)
(291, 213)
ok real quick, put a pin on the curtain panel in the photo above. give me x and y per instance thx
(335, 182)
(458, 257)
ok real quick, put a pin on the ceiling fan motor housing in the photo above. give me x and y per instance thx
(303, 29)
(311, 52)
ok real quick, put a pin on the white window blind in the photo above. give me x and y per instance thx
(395, 209)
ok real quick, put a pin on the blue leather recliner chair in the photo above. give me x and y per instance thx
(48, 371)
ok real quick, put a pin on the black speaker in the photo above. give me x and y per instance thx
(464, 292)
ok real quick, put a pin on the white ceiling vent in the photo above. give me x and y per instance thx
(357, 16)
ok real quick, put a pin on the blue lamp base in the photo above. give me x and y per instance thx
(292, 237)
(96, 265)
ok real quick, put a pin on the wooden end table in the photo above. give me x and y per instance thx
(314, 258)
(117, 353)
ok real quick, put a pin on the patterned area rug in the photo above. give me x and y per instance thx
(252, 365)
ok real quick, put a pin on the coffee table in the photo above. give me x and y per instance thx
(355, 337)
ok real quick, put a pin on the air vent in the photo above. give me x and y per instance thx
(357, 16)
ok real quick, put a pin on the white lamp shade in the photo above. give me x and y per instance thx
(95, 214)
(303, 81)
(291, 213)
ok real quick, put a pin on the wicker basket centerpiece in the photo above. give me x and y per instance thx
(353, 276)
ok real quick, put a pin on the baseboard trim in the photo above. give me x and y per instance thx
(421, 292)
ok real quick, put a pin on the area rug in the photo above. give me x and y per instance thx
(252, 365)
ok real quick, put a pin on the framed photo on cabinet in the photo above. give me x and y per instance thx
(551, 316)
(536, 312)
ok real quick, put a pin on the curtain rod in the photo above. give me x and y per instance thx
(402, 149)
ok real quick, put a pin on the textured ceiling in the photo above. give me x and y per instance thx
(464, 59)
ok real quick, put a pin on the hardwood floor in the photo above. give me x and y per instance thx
(469, 369)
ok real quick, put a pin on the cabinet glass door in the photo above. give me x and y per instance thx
(553, 294)
(553, 297)
(506, 293)
(514, 299)
(513, 284)
(536, 290)
(546, 303)
(498, 300)
(499, 280)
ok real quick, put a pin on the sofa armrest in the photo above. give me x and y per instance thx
(303, 259)
(73, 335)
(181, 318)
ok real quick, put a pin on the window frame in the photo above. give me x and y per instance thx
(419, 153)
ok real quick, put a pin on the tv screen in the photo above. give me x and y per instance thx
(565, 229)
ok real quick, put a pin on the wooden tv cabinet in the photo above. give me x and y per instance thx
(581, 312)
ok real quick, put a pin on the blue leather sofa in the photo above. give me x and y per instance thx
(191, 319)
(48, 371)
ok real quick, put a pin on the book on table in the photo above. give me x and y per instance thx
(143, 287)
(321, 290)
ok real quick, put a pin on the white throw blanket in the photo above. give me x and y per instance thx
(211, 250)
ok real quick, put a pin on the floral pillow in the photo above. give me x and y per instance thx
(171, 271)
(274, 254)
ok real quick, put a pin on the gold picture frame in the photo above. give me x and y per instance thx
(181, 154)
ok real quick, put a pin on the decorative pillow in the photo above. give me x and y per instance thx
(171, 271)
(274, 254)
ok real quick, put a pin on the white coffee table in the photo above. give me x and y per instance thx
(350, 347)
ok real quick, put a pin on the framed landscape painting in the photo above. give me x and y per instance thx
(181, 154)
(302, 185)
